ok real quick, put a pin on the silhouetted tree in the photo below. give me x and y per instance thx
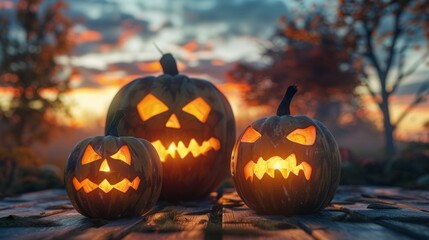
(391, 38)
(306, 51)
(32, 39)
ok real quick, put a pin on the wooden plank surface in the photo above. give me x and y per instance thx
(356, 213)
(335, 225)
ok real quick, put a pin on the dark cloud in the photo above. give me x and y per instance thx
(106, 18)
(193, 18)
(410, 88)
(206, 67)
(250, 17)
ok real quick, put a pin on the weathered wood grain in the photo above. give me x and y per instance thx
(58, 225)
(111, 230)
(332, 225)
(174, 222)
(359, 212)
(417, 231)
(398, 214)
(240, 222)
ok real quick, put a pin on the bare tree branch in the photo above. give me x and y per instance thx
(402, 75)
(420, 97)
(391, 49)
(370, 49)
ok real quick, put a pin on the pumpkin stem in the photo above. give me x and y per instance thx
(168, 64)
(284, 107)
(112, 130)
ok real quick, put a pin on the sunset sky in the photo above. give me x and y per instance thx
(115, 44)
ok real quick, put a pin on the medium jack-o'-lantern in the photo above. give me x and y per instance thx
(286, 164)
(188, 121)
(111, 177)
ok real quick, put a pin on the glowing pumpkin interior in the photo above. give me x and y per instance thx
(90, 156)
(198, 108)
(303, 136)
(276, 164)
(283, 166)
(181, 150)
(151, 106)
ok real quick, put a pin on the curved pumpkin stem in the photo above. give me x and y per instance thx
(284, 107)
(168, 64)
(112, 130)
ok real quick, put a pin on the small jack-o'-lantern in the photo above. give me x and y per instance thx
(111, 177)
(286, 164)
(188, 121)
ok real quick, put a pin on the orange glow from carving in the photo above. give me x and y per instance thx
(150, 106)
(305, 136)
(104, 167)
(123, 154)
(250, 135)
(88, 186)
(173, 122)
(269, 167)
(90, 155)
(198, 108)
(194, 148)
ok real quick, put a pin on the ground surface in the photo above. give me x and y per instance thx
(355, 213)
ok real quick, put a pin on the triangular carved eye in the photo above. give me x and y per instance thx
(150, 106)
(198, 108)
(123, 154)
(90, 155)
(303, 136)
(250, 135)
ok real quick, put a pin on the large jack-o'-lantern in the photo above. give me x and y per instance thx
(111, 177)
(188, 121)
(286, 164)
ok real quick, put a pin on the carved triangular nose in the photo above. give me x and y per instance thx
(104, 166)
(173, 122)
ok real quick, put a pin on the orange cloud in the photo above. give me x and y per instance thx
(191, 46)
(87, 36)
(155, 67)
(105, 47)
(111, 79)
(402, 99)
(150, 67)
(217, 62)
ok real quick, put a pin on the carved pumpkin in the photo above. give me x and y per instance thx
(286, 164)
(111, 177)
(189, 122)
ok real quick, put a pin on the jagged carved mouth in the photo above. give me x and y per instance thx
(105, 185)
(269, 167)
(182, 150)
